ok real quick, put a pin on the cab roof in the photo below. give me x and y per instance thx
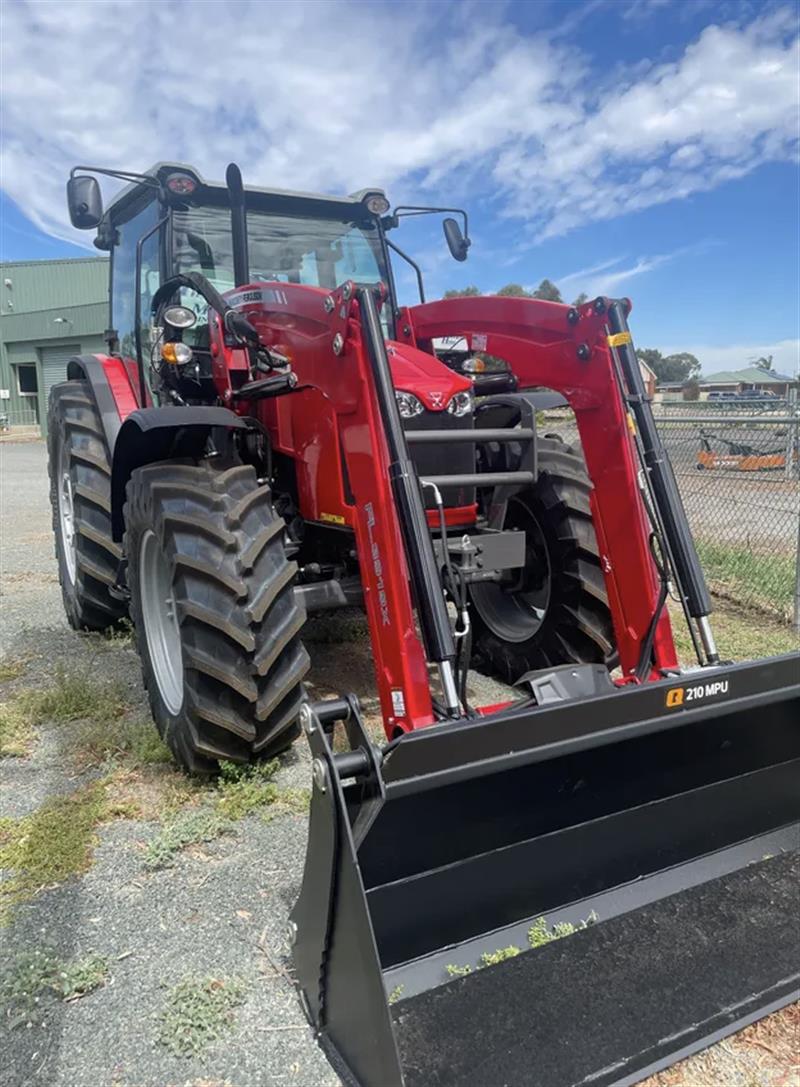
(217, 192)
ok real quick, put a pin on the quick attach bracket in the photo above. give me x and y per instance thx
(341, 306)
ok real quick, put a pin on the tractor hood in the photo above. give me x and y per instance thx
(417, 372)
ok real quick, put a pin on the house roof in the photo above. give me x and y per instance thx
(752, 375)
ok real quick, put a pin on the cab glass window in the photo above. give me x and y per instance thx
(123, 276)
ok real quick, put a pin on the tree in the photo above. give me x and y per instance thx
(548, 292)
(691, 390)
(579, 301)
(670, 368)
(513, 290)
(765, 362)
(680, 367)
(463, 292)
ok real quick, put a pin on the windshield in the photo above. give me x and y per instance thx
(282, 248)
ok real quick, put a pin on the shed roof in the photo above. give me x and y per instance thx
(752, 375)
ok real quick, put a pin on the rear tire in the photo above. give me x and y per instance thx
(560, 614)
(80, 495)
(217, 622)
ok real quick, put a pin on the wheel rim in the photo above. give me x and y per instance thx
(514, 611)
(66, 515)
(161, 627)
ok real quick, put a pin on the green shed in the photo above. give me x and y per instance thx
(49, 311)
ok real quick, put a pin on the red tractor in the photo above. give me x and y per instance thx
(272, 434)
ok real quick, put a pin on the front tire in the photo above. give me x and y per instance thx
(217, 622)
(79, 466)
(557, 612)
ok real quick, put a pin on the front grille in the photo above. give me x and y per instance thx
(443, 459)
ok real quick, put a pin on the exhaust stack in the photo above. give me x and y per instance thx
(241, 258)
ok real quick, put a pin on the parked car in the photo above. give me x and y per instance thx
(722, 396)
(756, 394)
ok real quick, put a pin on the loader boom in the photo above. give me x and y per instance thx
(570, 889)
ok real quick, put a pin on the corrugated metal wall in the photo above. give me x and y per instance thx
(49, 311)
(50, 284)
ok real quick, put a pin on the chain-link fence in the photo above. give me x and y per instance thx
(737, 462)
(738, 468)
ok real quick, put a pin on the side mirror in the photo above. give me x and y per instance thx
(84, 202)
(456, 242)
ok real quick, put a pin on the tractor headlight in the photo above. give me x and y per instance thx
(474, 365)
(408, 405)
(461, 404)
(177, 354)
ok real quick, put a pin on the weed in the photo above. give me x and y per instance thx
(396, 994)
(73, 697)
(188, 828)
(23, 979)
(197, 1012)
(120, 636)
(458, 971)
(491, 958)
(33, 975)
(16, 731)
(49, 845)
(242, 789)
(288, 801)
(540, 933)
(81, 976)
(12, 668)
(94, 742)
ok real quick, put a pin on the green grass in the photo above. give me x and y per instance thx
(751, 579)
(458, 971)
(197, 1012)
(31, 977)
(49, 845)
(739, 636)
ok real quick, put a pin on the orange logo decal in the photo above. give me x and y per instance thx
(675, 697)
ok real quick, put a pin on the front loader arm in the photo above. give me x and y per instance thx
(566, 349)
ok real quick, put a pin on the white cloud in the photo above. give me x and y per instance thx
(716, 357)
(607, 277)
(335, 96)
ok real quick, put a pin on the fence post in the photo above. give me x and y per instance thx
(797, 579)
(789, 470)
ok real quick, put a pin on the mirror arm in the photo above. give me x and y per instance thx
(120, 175)
(414, 265)
(403, 211)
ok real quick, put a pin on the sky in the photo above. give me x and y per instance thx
(645, 148)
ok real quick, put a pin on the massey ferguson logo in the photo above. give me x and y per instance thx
(437, 399)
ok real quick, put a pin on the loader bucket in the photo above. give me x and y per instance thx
(579, 893)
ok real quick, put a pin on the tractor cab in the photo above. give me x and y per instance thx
(171, 221)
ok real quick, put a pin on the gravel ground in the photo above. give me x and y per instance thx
(220, 911)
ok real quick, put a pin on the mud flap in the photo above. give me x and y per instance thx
(578, 894)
